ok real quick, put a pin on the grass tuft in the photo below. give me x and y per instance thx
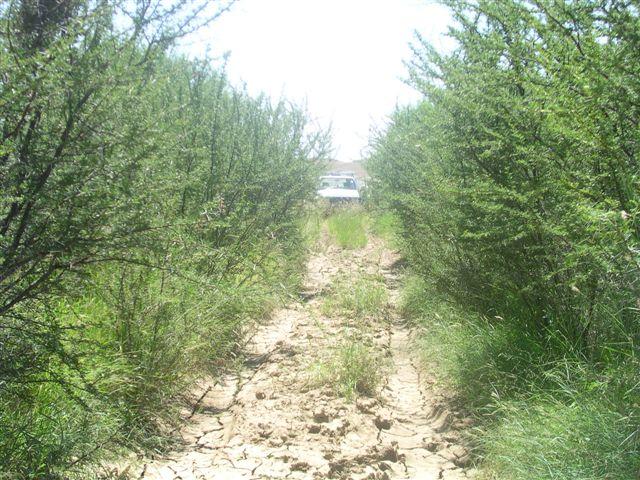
(348, 228)
(352, 369)
(358, 298)
(386, 225)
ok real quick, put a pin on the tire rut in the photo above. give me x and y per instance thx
(267, 420)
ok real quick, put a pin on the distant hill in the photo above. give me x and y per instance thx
(355, 167)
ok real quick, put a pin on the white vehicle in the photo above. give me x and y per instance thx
(339, 187)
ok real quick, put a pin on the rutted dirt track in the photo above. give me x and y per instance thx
(268, 421)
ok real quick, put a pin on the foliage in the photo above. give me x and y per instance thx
(347, 228)
(516, 185)
(148, 210)
(357, 298)
(352, 369)
(538, 416)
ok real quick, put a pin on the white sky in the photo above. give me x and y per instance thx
(344, 59)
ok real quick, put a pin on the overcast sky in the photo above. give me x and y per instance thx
(343, 58)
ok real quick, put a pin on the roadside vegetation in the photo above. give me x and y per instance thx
(351, 369)
(347, 227)
(357, 298)
(149, 210)
(515, 183)
(313, 228)
(385, 225)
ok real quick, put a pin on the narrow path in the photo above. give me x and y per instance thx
(268, 421)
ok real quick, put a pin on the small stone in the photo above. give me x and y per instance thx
(314, 428)
(365, 405)
(300, 466)
(458, 450)
(382, 423)
(389, 452)
(320, 416)
(260, 395)
(431, 446)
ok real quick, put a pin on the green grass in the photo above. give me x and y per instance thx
(311, 228)
(357, 298)
(136, 341)
(545, 438)
(352, 369)
(348, 228)
(540, 415)
(385, 225)
(51, 429)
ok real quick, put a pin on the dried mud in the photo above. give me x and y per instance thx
(268, 421)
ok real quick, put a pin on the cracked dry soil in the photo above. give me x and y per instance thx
(268, 421)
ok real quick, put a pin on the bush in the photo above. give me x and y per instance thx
(515, 184)
(149, 210)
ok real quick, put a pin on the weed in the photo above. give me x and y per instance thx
(545, 438)
(385, 225)
(538, 416)
(352, 369)
(363, 297)
(311, 228)
(348, 228)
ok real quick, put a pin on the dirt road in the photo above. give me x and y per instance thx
(270, 421)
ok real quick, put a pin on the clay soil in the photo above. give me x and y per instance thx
(267, 419)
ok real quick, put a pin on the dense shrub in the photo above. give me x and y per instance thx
(516, 185)
(148, 208)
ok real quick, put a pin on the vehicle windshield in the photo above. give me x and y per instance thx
(338, 182)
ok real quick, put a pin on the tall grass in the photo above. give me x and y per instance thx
(351, 369)
(583, 438)
(357, 298)
(312, 227)
(348, 228)
(385, 224)
(540, 414)
(137, 339)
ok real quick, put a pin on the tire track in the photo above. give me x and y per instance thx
(268, 422)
